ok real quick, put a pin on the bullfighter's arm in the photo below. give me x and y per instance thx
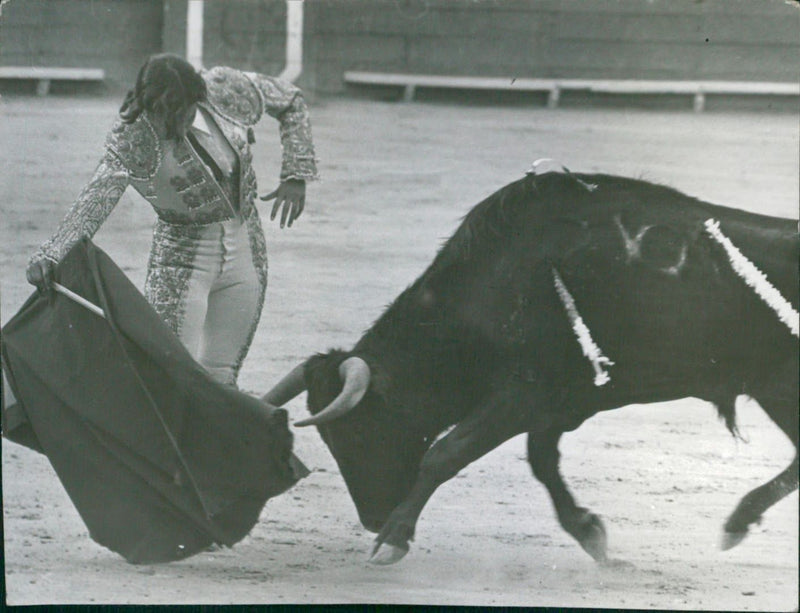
(284, 101)
(93, 205)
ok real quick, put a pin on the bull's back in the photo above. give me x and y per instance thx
(657, 294)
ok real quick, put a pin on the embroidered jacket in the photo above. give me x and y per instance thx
(173, 178)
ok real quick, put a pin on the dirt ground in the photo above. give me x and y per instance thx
(396, 180)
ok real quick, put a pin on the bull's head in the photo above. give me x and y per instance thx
(377, 454)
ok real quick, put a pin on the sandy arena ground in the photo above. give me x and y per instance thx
(397, 178)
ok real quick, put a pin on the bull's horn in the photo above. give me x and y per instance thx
(356, 375)
(291, 386)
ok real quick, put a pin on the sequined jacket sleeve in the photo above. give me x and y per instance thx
(284, 101)
(94, 204)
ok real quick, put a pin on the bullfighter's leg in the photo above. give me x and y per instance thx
(779, 401)
(469, 440)
(584, 526)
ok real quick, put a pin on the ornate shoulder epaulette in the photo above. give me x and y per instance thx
(136, 145)
(233, 95)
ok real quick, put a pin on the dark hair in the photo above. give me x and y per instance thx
(167, 85)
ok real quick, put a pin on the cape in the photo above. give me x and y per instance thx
(160, 460)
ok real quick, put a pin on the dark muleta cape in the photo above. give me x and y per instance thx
(160, 460)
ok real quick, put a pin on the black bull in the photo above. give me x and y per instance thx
(484, 345)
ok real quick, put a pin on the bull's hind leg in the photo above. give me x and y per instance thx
(779, 401)
(583, 525)
(756, 502)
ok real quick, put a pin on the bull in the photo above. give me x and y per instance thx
(559, 296)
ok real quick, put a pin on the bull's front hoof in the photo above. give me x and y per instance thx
(384, 554)
(731, 539)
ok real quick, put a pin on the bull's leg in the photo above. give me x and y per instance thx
(468, 441)
(779, 401)
(755, 503)
(584, 526)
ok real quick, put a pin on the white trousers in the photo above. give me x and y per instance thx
(208, 284)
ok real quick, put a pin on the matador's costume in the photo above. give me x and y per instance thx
(207, 272)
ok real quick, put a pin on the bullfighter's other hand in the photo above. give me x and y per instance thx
(290, 197)
(41, 273)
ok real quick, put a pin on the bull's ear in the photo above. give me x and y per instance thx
(288, 388)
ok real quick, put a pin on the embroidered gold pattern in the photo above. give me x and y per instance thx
(284, 101)
(136, 145)
(279, 99)
(169, 270)
(93, 205)
(232, 95)
(258, 244)
(181, 153)
(258, 249)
